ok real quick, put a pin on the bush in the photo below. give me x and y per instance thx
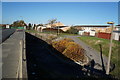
(61, 45)
(70, 49)
(72, 30)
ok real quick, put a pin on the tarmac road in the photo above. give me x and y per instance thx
(5, 33)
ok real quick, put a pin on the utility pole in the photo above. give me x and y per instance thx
(110, 48)
(58, 30)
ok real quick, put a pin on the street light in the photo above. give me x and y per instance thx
(110, 48)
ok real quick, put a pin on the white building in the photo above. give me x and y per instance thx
(81, 32)
(40, 28)
(117, 27)
(97, 28)
(7, 26)
(48, 26)
(92, 33)
(65, 28)
(116, 35)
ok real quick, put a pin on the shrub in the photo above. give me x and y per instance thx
(70, 49)
(75, 52)
(72, 30)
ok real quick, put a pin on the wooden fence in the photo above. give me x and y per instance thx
(103, 35)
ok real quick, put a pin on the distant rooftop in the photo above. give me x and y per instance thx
(96, 24)
(116, 31)
(118, 25)
(89, 25)
(60, 26)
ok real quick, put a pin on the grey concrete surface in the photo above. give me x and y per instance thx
(11, 55)
(0, 61)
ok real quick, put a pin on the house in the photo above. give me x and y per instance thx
(63, 28)
(57, 24)
(40, 28)
(103, 35)
(117, 27)
(7, 26)
(92, 29)
(4, 26)
(81, 32)
(97, 28)
(54, 25)
(107, 33)
(52, 30)
(92, 33)
(48, 26)
(116, 35)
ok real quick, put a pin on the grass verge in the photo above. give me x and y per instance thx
(115, 58)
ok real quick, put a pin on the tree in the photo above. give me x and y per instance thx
(52, 21)
(18, 23)
(29, 26)
(72, 30)
(40, 25)
(34, 26)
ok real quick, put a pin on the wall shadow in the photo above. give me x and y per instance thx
(112, 65)
(103, 67)
(45, 63)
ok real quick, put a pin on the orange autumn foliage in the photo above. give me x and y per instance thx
(70, 49)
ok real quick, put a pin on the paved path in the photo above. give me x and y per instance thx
(90, 52)
(11, 55)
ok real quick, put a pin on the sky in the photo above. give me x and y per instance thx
(60, 0)
(0, 12)
(69, 13)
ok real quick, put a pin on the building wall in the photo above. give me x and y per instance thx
(86, 33)
(103, 35)
(81, 32)
(92, 33)
(97, 29)
(117, 28)
(116, 36)
(51, 30)
(65, 28)
(7, 26)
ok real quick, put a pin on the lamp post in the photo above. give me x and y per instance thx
(110, 48)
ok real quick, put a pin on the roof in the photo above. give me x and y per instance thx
(118, 25)
(91, 26)
(57, 24)
(60, 26)
(116, 31)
